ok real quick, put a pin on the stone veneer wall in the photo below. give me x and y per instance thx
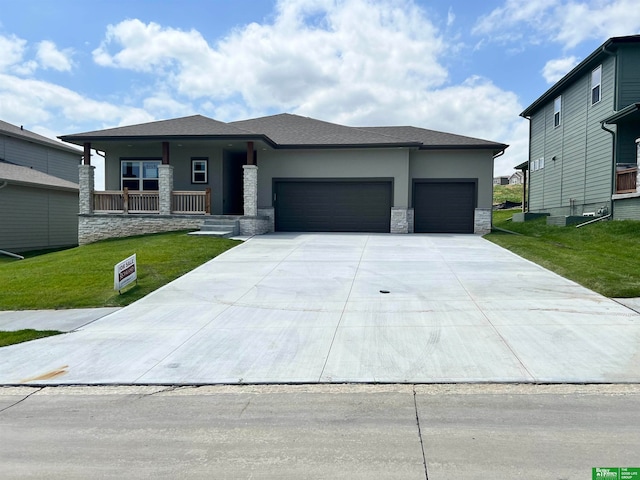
(254, 225)
(401, 220)
(250, 190)
(482, 221)
(86, 183)
(270, 213)
(92, 228)
(165, 187)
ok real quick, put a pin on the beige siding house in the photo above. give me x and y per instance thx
(38, 191)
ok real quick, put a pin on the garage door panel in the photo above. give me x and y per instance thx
(444, 207)
(333, 206)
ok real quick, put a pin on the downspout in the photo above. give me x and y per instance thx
(613, 162)
(612, 132)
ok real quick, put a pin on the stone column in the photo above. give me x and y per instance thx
(399, 220)
(165, 185)
(250, 190)
(86, 182)
(482, 221)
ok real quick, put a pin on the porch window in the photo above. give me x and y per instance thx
(199, 170)
(596, 81)
(139, 174)
(557, 110)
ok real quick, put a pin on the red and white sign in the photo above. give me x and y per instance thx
(125, 272)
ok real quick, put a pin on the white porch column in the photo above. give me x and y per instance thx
(165, 186)
(250, 190)
(86, 181)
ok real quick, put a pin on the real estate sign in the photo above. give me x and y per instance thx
(125, 272)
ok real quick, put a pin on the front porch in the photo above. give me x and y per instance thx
(136, 201)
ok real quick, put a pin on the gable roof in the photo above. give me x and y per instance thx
(594, 58)
(285, 131)
(293, 131)
(19, 175)
(22, 134)
(434, 140)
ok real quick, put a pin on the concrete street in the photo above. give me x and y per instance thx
(309, 308)
(435, 432)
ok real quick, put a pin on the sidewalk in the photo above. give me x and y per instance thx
(62, 320)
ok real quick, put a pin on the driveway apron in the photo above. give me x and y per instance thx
(308, 308)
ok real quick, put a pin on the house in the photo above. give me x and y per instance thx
(583, 138)
(516, 178)
(285, 173)
(38, 191)
(501, 180)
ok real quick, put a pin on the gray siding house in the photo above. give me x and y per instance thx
(583, 131)
(38, 191)
(285, 173)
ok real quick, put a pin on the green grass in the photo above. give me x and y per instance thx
(19, 336)
(82, 277)
(604, 256)
(504, 193)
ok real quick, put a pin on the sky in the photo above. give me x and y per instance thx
(461, 66)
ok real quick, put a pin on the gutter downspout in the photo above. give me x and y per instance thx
(613, 161)
(14, 255)
(612, 132)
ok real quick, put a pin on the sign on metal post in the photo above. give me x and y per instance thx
(125, 272)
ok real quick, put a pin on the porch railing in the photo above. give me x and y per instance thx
(626, 180)
(134, 201)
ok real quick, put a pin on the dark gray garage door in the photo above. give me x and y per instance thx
(444, 207)
(333, 206)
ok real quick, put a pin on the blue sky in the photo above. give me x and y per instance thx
(460, 66)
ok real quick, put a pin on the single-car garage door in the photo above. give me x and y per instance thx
(444, 206)
(333, 205)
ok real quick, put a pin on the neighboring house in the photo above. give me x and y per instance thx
(516, 178)
(38, 191)
(285, 173)
(583, 137)
(501, 181)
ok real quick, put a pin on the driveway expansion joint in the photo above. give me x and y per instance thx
(424, 457)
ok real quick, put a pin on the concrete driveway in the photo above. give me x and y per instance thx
(288, 308)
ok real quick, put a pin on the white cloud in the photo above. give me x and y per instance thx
(566, 22)
(41, 102)
(555, 69)
(12, 51)
(49, 56)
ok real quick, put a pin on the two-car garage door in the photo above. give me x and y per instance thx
(364, 205)
(318, 205)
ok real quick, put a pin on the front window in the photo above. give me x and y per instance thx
(199, 169)
(557, 110)
(596, 81)
(139, 174)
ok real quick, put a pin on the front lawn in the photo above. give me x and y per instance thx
(82, 277)
(604, 256)
(19, 336)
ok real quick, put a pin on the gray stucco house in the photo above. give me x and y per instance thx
(584, 135)
(38, 191)
(285, 173)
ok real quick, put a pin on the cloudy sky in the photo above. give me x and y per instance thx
(461, 66)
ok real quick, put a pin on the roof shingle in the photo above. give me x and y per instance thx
(28, 176)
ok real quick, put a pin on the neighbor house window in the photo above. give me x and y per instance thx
(139, 174)
(541, 163)
(199, 170)
(557, 110)
(596, 81)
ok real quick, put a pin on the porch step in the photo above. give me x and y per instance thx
(211, 233)
(221, 226)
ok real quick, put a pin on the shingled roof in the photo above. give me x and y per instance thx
(19, 175)
(288, 131)
(434, 140)
(19, 132)
(185, 127)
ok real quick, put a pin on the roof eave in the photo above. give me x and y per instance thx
(347, 145)
(628, 110)
(39, 185)
(81, 139)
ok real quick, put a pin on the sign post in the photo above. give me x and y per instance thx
(125, 272)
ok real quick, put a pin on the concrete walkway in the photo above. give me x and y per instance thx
(306, 308)
(61, 320)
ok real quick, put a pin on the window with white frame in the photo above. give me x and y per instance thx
(199, 170)
(557, 111)
(139, 174)
(541, 163)
(596, 82)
